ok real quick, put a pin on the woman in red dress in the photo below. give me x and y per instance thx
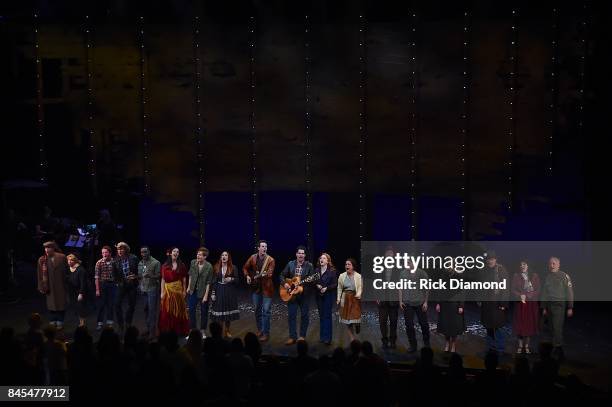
(526, 290)
(173, 308)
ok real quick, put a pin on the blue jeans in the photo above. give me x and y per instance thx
(325, 304)
(106, 301)
(193, 300)
(262, 312)
(151, 311)
(292, 306)
(496, 339)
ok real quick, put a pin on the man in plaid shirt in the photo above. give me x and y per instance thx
(106, 287)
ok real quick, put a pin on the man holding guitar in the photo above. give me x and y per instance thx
(296, 271)
(258, 271)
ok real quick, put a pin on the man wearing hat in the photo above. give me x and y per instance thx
(494, 303)
(51, 272)
(126, 267)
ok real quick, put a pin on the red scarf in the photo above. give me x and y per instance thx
(42, 266)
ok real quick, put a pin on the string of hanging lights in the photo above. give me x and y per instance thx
(363, 128)
(40, 114)
(307, 134)
(252, 84)
(198, 128)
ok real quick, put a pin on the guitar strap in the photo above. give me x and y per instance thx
(265, 263)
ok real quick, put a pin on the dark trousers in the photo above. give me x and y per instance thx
(496, 339)
(325, 305)
(57, 316)
(130, 292)
(151, 311)
(106, 301)
(193, 303)
(555, 319)
(301, 302)
(421, 315)
(388, 312)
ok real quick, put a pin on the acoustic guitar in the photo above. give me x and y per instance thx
(295, 286)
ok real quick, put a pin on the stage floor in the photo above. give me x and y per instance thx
(588, 341)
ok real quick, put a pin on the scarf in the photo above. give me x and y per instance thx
(172, 302)
(44, 272)
(527, 286)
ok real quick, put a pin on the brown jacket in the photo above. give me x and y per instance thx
(267, 283)
(56, 286)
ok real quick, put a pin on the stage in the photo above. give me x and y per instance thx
(588, 346)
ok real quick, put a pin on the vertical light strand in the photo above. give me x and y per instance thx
(465, 126)
(307, 135)
(363, 128)
(90, 108)
(413, 129)
(252, 83)
(146, 148)
(40, 114)
(583, 32)
(197, 94)
(511, 176)
(554, 91)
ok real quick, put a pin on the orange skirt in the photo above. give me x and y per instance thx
(173, 309)
(350, 313)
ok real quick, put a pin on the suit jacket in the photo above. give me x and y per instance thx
(329, 279)
(266, 286)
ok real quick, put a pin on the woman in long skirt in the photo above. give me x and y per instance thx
(173, 308)
(224, 297)
(451, 321)
(349, 298)
(326, 288)
(77, 286)
(526, 291)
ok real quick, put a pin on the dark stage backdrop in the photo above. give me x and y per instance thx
(547, 205)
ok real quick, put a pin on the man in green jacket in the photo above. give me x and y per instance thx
(557, 301)
(200, 276)
(150, 277)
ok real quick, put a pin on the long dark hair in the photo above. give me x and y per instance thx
(230, 265)
(168, 261)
